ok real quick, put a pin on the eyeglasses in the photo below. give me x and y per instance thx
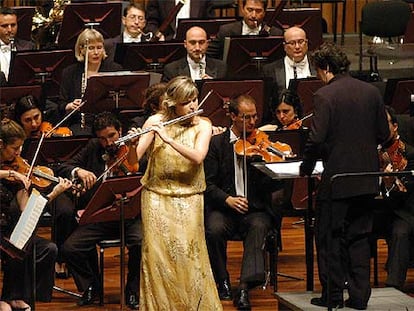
(134, 17)
(248, 116)
(293, 43)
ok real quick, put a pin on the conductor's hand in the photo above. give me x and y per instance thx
(88, 178)
(239, 204)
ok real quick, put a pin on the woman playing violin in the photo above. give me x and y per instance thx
(14, 194)
(289, 111)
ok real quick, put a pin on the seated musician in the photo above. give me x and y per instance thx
(231, 212)
(287, 113)
(395, 216)
(79, 249)
(89, 46)
(196, 64)
(28, 114)
(14, 193)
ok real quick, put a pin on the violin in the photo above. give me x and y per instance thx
(116, 159)
(41, 178)
(47, 128)
(258, 144)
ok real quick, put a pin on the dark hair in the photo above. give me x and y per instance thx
(7, 11)
(133, 5)
(391, 112)
(153, 97)
(10, 131)
(235, 102)
(24, 104)
(264, 2)
(290, 98)
(103, 120)
(329, 57)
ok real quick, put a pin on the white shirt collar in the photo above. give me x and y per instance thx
(128, 38)
(246, 30)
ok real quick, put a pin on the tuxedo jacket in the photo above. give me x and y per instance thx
(215, 68)
(220, 180)
(349, 122)
(158, 10)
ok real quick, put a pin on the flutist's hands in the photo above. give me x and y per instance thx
(73, 105)
(134, 141)
(160, 130)
(239, 204)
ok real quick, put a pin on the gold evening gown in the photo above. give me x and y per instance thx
(175, 270)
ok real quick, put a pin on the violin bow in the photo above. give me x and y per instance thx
(244, 157)
(35, 155)
(65, 118)
(205, 98)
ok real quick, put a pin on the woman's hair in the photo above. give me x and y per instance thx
(290, 98)
(181, 89)
(153, 97)
(329, 57)
(86, 37)
(24, 104)
(10, 131)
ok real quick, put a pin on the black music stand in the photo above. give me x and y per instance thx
(245, 55)
(296, 139)
(116, 199)
(40, 68)
(9, 95)
(309, 19)
(402, 96)
(24, 20)
(306, 88)
(216, 105)
(115, 91)
(211, 26)
(102, 16)
(149, 56)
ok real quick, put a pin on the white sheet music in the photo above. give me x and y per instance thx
(28, 219)
(292, 168)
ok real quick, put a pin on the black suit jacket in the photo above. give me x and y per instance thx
(219, 172)
(158, 10)
(215, 68)
(349, 122)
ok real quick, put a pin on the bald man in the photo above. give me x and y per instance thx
(196, 64)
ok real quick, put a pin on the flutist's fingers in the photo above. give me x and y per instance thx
(132, 132)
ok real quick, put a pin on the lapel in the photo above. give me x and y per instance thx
(184, 67)
(211, 70)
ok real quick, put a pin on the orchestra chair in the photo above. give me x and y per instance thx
(102, 245)
(384, 19)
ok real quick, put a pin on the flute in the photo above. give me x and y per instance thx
(149, 129)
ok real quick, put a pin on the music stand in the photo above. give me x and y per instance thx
(245, 55)
(115, 90)
(102, 16)
(116, 199)
(216, 105)
(40, 68)
(309, 19)
(149, 56)
(211, 26)
(9, 95)
(306, 88)
(402, 96)
(296, 139)
(24, 20)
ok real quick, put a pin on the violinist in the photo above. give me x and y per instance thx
(230, 210)
(79, 249)
(14, 193)
(395, 213)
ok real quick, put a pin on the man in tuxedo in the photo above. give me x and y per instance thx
(230, 212)
(252, 24)
(159, 10)
(347, 112)
(134, 23)
(196, 64)
(8, 40)
(294, 65)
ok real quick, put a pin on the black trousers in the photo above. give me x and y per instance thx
(17, 280)
(80, 253)
(349, 255)
(251, 229)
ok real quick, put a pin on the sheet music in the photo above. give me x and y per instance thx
(28, 219)
(292, 168)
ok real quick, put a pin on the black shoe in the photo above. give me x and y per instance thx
(224, 290)
(132, 301)
(242, 300)
(89, 296)
(355, 305)
(320, 302)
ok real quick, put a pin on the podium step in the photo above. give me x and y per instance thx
(382, 299)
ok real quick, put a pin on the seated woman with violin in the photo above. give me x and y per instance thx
(14, 193)
(28, 114)
(288, 113)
